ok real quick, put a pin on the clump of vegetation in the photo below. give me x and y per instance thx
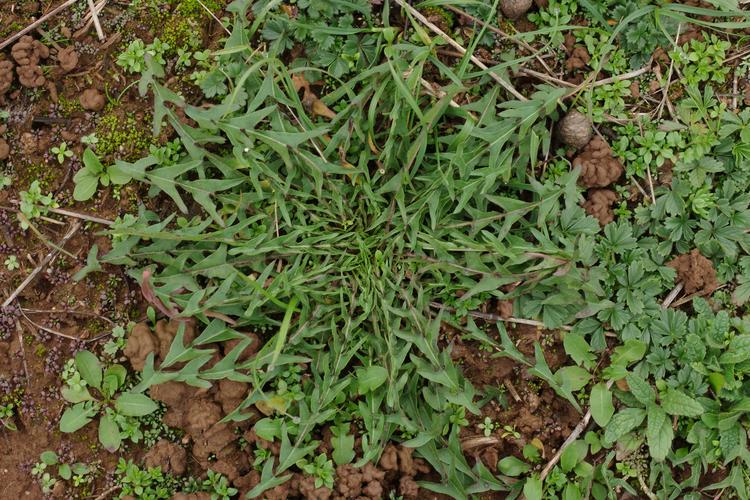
(50, 470)
(116, 407)
(122, 137)
(400, 211)
(34, 204)
(386, 217)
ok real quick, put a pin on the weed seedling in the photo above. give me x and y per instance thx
(62, 152)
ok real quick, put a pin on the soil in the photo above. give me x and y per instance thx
(599, 168)
(599, 205)
(530, 407)
(695, 272)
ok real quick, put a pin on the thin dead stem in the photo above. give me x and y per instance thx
(73, 229)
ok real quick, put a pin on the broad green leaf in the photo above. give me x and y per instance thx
(370, 378)
(48, 457)
(533, 489)
(641, 389)
(631, 351)
(134, 405)
(678, 403)
(574, 453)
(114, 377)
(80, 469)
(75, 395)
(571, 492)
(578, 349)
(573, 378)
(65, 472)
(659, 433)
(343, 448)
(85, 185)
(91, 161)
(511, 466)
(76, 417)
(737, 351)
(601, 405)
(109, 433)
(90, 368)
(623, 422)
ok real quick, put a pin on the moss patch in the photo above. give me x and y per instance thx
(121, 137)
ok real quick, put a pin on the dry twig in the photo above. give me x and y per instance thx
(36, 23)
(95, 18)
(73, 229)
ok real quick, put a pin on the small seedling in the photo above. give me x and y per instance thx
(80, 473)
(510, 431)
(7, 411)
(34, 204)
(62, 152)
(92, 174)
(114, 407)
(321, 469)
(487, 426)
(90, 140)
(11, 263)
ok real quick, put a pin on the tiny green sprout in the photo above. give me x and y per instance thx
(487, 426)
(34, 204)
(11, 263)
(6, 417)
(183, 58)
(321, 468)
(5, 181)
(62, 152)
(48, 482)
(510, 431)
(90, 139)
(38, 469)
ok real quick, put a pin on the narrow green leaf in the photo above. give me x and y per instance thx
(602, 408)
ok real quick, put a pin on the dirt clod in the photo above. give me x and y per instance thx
(31, 76)
(92, 100)
(575, 129)
(513, 9)
(140, 343)
(6, 76)
(171, 457)
(599, 205)
(578, 59)
(4, 150)
(696, 272)
(599, 168)
(67, 58)
(27, 52)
